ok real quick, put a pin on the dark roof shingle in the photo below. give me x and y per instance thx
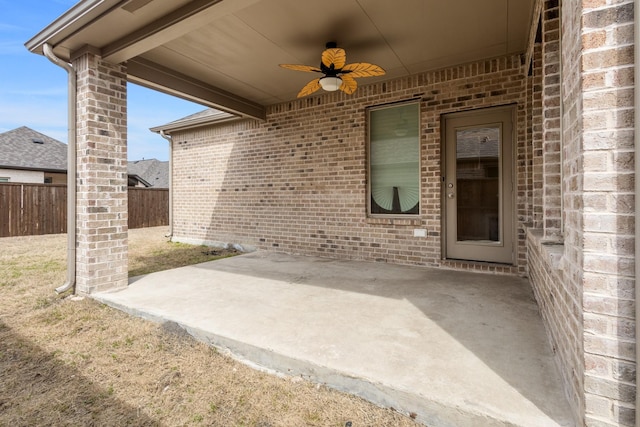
(153, 171)
(24, 148)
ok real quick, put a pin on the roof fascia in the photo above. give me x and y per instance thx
(195, 123)
(78, 17)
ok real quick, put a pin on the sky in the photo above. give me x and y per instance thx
(33, 91)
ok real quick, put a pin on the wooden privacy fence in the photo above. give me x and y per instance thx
(148, 207)
(32, 209)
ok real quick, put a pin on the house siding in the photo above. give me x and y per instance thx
(297, 182)
(56, 178)
(32, 177)
(27, 177)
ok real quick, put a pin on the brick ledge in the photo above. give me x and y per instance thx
(394, 221)
(552, 251)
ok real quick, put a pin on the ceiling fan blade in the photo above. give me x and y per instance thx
(334, 56)
(349, 84)
(363, 69)
(307, 68)
(309, 88)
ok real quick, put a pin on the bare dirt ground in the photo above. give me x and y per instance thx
(66, 362)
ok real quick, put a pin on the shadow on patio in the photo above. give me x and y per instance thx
(455, 348)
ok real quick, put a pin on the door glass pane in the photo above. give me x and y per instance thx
(478, 184)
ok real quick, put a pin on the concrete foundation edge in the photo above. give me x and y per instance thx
(214, 244)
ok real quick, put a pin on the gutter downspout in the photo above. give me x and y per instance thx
(71, 169)
(636, 139)
(168, 138)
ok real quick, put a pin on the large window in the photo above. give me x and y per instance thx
(394, 159)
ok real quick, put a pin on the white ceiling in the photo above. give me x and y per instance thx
(226, 53)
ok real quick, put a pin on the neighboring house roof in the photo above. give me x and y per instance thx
(151, 171)
(205, 117)
(24, 148)
(135, 180)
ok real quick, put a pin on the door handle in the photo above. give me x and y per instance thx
(450, 194)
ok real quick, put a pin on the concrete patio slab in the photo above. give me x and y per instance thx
(458, 349)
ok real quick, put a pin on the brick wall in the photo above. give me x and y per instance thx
(551, 174)
(605, 228)
(101, 220)
(554, 260)
(561, 313)
(585, 286)
(297, 182)
(536, 172)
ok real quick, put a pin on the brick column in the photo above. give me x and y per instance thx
(101, 221)
(536, 175)
(551, 188)
(605, 214)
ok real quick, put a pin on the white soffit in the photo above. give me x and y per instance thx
(234, 46)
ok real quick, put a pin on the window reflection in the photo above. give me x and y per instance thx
(477, 184)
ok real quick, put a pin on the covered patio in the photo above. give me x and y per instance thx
(554, 79)
(453, 348)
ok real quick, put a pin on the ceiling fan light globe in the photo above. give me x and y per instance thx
(330, 84)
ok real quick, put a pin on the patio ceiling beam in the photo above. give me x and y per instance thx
(181, 21)
(155, 76)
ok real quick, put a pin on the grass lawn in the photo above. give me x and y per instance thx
(75, 362)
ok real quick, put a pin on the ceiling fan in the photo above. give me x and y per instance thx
(337, 73)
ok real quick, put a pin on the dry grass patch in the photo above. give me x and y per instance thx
(149, 252)
(70, 362)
